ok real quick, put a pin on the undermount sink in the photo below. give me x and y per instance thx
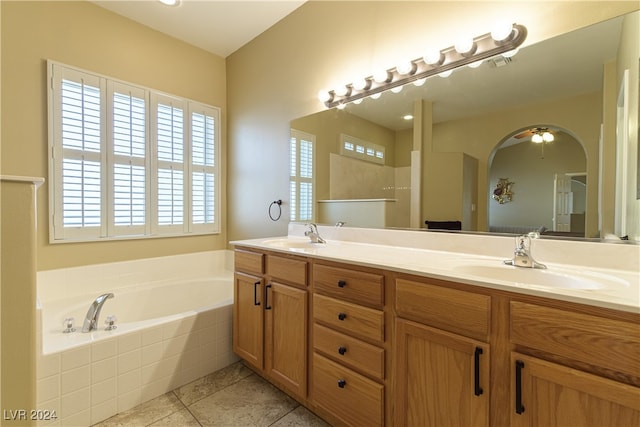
(285, 243)
(550, 278)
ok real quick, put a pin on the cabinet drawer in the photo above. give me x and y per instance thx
(349, 318)
(249, 262)
(289, 270)
(354, 399)
(461, 312)
(349, 351)
(608, 343)
(355, 286)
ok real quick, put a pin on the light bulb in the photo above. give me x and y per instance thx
(445, 73)
(547, 137)
(465, 46)
(475, 64)
(361, 84)
(382, 76)
(170, 2)
(357, 101)
(537, 138)
(433, 57)
(342, 90)
(341, 106)
(375, 95)
(419, 82)
(511, 53)
(406, 68)
(396, 89)
(502, 31)
(324, 96)
(407, 117)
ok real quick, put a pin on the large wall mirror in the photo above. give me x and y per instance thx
(473, 130)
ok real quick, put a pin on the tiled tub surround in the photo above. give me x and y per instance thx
(174, 326)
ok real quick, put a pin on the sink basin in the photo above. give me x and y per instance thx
(293, 244)
(549, 278)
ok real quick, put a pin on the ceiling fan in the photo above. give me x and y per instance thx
(537, 134)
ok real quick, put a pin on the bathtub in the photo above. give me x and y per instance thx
(174, 325)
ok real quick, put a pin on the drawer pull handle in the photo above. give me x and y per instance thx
(476, 374)
(266, 297)
(342, 383)
(342, 350)
(342, 316)
(342, 283)
(519, 406)
(255, 293)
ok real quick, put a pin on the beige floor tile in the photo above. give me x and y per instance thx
(207, 385)
(145, 413)
(300, 416)
(181, 418)
(249, 402)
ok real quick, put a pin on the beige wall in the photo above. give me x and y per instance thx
(276, 77)
(84, 35)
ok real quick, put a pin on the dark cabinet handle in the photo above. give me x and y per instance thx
(342, 316)
(342, 283)
(342, 350)
(255, 293)
(476, 374)
(342, 383)
(266, 297)
(519, 406)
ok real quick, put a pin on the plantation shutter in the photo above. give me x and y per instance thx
(79, 156)
(170, 164)
(128, 151)
(204, 166)
(301, 157)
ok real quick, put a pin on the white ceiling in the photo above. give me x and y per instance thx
(220, 27)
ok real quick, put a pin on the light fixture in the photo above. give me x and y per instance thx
(443, 62)
(407, 117)
(170, 2)
(541, 135)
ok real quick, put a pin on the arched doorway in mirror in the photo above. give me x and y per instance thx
(538, 182)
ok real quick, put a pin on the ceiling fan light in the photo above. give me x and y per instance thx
(547, 137)
(537, 138)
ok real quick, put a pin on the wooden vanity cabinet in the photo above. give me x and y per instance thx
(442, 356)
(348, 371)
(573, 368)
(270, 317)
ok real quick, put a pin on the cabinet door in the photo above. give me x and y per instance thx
(551, 395)
(442, 378)
(248, 319)
(286, 336)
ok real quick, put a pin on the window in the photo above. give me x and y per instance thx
(128, 161)
(301, 176)
(351, 146)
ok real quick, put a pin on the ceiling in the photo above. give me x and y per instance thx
(220, 27)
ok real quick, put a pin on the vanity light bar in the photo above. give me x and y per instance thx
(483, 47)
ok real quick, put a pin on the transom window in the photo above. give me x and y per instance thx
(128, 161)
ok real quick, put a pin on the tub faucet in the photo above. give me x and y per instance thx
(313, 234)
(522, 253)
(91, 321)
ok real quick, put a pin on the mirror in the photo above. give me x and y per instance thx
(462, 125)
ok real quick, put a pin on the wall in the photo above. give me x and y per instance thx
(533, 178)
(276, 76)
(84, 35)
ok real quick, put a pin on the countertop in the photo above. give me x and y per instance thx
(617, 289)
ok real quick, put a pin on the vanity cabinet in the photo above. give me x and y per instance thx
(270, 317)
(348, 368)
(573, 368)
(442, 356)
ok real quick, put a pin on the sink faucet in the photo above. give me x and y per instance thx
(313, 234)
(91, 320)
(522, 254)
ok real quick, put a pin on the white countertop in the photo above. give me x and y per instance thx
(615, 288)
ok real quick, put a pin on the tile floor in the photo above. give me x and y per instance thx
(233, 396)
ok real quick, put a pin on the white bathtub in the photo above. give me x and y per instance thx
(174, 323)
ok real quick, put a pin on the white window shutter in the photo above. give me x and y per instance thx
(302, 179)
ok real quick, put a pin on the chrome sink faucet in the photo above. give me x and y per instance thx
(313, 234)
(91, 320)
(522, 254)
